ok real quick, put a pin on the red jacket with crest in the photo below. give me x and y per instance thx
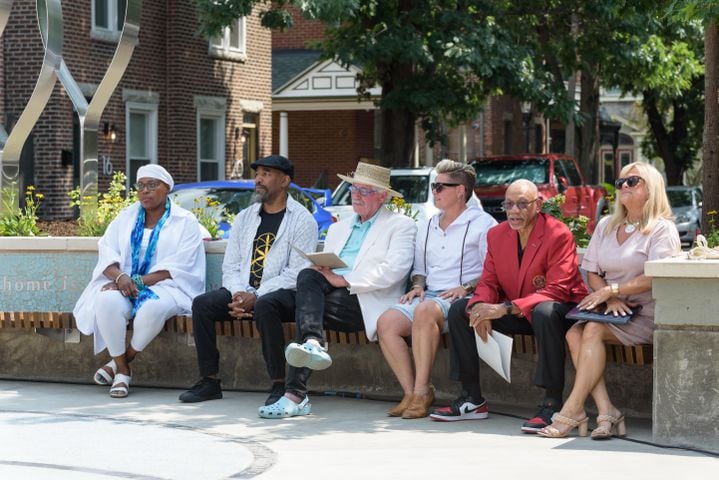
(549, 270)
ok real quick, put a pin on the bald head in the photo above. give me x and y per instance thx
(523, 187)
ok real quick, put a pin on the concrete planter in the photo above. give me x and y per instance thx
(686, 352)
(48, 274)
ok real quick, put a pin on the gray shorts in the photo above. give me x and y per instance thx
(407, 309)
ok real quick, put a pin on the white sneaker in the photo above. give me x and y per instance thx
(308, 355)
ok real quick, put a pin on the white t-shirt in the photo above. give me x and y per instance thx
(453, 256)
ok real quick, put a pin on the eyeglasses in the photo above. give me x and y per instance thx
(151, 186)
(363, 191)
(439, 186)
(522, 204)
(631, 181)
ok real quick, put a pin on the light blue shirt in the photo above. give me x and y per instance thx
(354, 243)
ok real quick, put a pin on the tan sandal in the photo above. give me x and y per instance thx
(553, 432)
(606, 427)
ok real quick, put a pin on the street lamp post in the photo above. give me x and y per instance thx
(526, 108)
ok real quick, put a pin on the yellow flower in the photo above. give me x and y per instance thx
(712, 212)
(39, 196)
(30, 188)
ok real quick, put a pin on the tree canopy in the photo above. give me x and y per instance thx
(437, 61)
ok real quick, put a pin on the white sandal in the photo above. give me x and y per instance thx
(121, 386)
(103, 378)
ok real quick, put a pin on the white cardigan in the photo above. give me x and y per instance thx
(379, 275)
(180, 251)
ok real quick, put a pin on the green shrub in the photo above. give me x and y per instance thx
(577, 225)
(17, 222)
(96, 213)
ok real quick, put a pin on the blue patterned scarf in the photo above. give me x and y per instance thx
(136, 243)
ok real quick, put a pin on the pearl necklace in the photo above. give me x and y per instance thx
(630, 227)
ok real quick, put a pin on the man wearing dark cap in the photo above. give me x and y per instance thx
(259, 259)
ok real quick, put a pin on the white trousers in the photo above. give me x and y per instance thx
(113, 314)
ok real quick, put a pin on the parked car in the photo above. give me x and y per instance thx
(553, 174)
(234, 195)
(413, 183)
(686, 205)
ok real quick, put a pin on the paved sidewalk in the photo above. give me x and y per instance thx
(61, 431)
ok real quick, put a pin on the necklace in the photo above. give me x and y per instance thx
(630, 227)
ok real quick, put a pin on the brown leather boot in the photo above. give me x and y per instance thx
(399, 409)
(419, 406)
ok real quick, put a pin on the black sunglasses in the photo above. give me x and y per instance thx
(439, 186)
(631, 181)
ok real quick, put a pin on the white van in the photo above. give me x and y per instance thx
(413, 183)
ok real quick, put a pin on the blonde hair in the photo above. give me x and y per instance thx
(656, 206)
(459, 172)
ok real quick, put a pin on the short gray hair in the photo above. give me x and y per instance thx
(461, 173)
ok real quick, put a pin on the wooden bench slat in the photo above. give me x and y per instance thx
(523, 344)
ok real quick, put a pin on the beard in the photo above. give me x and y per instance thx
(261, 196)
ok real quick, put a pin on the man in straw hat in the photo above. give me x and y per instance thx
(377, 246)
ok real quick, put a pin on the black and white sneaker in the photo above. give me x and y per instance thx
(463, 408)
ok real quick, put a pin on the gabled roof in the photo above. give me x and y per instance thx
(287, 64)
(319, 79)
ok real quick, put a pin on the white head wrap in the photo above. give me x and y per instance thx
(157, 172)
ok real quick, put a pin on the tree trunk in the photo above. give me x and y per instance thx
(665, 142)
(710, 181)
(398, 125)
(589, 130)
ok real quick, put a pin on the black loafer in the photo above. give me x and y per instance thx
(206, 389)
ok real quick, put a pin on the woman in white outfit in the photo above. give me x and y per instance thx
(151, 265)
(448, 260)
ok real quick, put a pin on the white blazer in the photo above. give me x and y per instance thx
(379, 275)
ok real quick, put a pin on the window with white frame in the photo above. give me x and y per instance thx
(141, 146)
(231, 44)
(210, 145)
(108, 17)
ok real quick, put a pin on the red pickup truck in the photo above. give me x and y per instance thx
(552, 173)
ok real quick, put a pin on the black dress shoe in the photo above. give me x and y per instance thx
(206, 389)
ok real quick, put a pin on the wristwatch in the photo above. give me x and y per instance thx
(468, 287)
(508, 306)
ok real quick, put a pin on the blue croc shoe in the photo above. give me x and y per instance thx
(284, 408)
(308, 355)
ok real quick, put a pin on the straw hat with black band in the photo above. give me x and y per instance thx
(372, 175)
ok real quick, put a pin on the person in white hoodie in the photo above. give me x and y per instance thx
(448, 260)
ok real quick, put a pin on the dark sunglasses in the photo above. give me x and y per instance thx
(631, 182)
(439, 186)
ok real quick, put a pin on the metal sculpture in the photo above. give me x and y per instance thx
(49, 16)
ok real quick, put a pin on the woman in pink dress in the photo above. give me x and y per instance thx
(639, 230)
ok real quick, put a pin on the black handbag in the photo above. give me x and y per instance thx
(598, 315)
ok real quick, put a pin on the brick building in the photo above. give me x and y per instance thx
(201, 109)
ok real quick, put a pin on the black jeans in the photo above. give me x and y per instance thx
(548, 325)
(315, 305)
(207, 309)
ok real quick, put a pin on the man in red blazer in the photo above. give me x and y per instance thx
(530, 281)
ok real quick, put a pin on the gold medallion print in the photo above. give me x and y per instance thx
(262, 248)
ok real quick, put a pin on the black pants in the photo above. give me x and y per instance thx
(315, 305)
(207, 309)
(549, 326)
